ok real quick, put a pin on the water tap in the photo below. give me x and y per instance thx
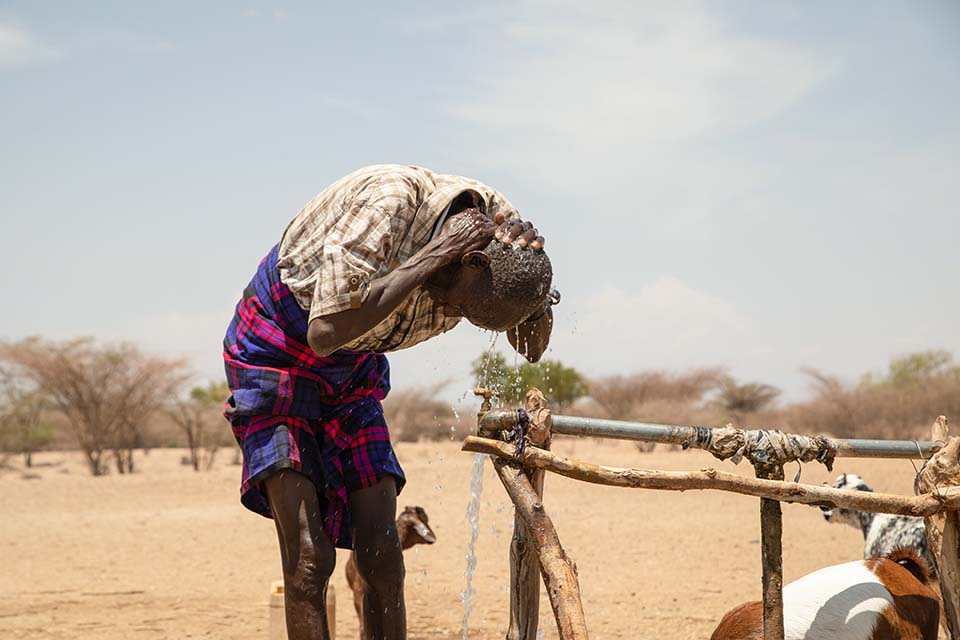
(501, 424)
(486, 394)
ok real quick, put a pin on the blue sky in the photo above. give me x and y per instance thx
(764, 186)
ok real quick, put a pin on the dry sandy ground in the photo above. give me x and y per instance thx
(169, 553)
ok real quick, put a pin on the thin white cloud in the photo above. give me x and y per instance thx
(19, 47)
(610, 74)
(278, 15)
(664, 325)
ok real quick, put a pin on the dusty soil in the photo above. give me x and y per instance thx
(170, 553)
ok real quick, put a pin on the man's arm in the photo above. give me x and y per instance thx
(326, 334)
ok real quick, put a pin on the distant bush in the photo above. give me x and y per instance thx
(741, 400)
(199, 417)
(900, 404)
(657, 396)
(23, 429)
(415, 413)
(631, 397)
(560, 384)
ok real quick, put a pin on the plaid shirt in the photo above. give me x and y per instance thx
(362, 227)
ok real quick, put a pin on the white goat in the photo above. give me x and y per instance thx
(875, 599)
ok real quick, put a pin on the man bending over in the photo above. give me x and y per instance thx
(381, 260)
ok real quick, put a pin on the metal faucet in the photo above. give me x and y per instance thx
(486, 394)
(501, 424)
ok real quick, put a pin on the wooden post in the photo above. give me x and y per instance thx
(524, 568)
(771, 530)
(941, 472)
(557, 570)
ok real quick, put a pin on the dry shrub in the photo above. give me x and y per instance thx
(656, 396)
(415, 413)
(199, 416)
(626, 397)
(874, 410)
(748, 399)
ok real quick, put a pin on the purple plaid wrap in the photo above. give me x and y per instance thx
(291, 408)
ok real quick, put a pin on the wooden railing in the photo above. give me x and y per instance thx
(521, 460)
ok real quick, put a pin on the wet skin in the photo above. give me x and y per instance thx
(308, 557)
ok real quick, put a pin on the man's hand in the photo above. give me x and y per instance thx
(523, 232)
(467, 231)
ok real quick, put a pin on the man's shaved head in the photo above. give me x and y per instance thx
(512, 287)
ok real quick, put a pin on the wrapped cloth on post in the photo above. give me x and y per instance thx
(764, 447)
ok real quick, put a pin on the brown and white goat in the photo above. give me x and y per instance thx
(413, 528)
(875, 599)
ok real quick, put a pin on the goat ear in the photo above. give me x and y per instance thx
(426, 533)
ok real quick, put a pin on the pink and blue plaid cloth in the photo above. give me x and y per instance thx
(293, 409)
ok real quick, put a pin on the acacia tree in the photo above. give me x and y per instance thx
(199, 415)
(106, 392)
(916, 369)
(21, 407)
(740, 399)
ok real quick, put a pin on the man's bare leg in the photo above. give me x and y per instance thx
(307, 553)
(376, 545)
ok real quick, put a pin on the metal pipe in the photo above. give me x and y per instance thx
(496, 420)
(686, 436)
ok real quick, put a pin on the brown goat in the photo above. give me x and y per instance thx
(413, 528)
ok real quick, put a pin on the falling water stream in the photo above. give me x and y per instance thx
(473, 507)
(473, 518)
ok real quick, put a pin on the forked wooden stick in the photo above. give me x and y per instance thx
(557, 571)
(524, 563)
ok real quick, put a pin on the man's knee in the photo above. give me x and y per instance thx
(380, 560)
(308, 555)
(314, 566)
